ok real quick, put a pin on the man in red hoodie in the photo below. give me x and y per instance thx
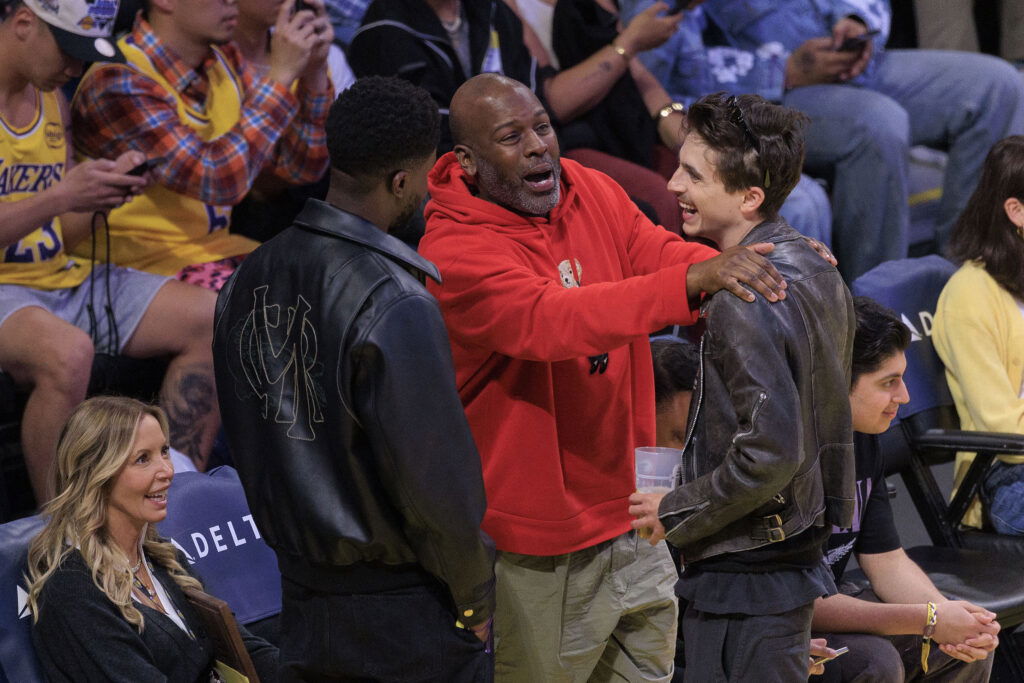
(552, 279)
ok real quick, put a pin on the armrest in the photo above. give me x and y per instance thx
(973, 442)
(986, 445)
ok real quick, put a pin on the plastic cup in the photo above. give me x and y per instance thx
(656, 468)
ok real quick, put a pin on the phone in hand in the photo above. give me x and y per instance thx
(145, 166)
(856, 43)
(822, 660)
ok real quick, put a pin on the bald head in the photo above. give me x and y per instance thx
(505, 144)
(480, 102)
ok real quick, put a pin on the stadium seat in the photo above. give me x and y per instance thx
(209, 521)
(975, 565)
(18, 663)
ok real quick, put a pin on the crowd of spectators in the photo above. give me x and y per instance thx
(404, 257)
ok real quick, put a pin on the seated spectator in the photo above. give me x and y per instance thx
(274, 202)
(188, 97)
(633, 117)
(105, 591)
(867, 106)
(57, 311)
(439, 44)
(979, 328)
(883, 625)
(767, 466)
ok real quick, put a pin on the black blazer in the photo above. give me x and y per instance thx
(81, 635)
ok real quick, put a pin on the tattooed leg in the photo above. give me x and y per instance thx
(179, 323)
(190, 401)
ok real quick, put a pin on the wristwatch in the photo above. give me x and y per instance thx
(669, 109)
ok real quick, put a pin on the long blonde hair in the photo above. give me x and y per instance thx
(93, 447)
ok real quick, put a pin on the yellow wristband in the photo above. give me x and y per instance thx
(926, 635)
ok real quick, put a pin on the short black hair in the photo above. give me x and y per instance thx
(379, 125)
(759, 144)
(880, 334)
(676, 362)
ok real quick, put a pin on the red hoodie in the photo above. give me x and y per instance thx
(527, 300)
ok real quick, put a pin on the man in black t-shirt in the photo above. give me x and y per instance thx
(883, 626)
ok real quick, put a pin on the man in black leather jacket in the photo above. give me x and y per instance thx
(768, 463)
(341, 411)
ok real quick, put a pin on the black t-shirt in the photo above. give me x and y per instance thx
(873, 528)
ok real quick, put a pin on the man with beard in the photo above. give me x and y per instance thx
(552, 279)
(336, 383)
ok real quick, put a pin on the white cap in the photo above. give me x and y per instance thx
(82, 28)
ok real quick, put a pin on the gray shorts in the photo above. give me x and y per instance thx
(131, 292)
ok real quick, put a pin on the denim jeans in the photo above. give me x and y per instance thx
(1002, 492)
(808, 211)
(859, 140)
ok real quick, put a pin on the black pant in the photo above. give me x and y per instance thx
(739, 647)
(406, 634)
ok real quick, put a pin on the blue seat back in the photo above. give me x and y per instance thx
(17, 658)
(208, 519)
(911, 287)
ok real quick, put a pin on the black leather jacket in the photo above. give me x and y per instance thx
(338, 396)
(769, 451)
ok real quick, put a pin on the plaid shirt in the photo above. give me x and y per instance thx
(119, 109)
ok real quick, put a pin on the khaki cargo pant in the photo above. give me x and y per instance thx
(604, 613)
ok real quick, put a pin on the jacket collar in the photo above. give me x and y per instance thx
(774, 230)
(321, 217)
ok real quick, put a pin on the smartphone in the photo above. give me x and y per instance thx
(146, 165)
(855, 43)
(839, 652)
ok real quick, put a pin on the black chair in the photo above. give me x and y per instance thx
(975, 565)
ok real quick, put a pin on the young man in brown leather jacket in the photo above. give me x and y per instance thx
(768, 463)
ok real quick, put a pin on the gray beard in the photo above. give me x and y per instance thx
(517, 198)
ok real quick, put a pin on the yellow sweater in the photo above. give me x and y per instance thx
(979, 334)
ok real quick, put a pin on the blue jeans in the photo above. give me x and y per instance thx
(1002, 492)
(859, 140)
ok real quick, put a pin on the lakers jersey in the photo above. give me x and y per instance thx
(162, 231)
(32, 159)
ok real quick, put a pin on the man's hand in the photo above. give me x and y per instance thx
(648, 30)
(816, 62)
(958, 621)
(849, 27)
(823, 251)
(975, 647)
(99, 185)
(819, 649)
(324, 36)
(644, 506)
(734, 266)
(291, 44)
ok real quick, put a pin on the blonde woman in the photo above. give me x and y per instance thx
(105, 591)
